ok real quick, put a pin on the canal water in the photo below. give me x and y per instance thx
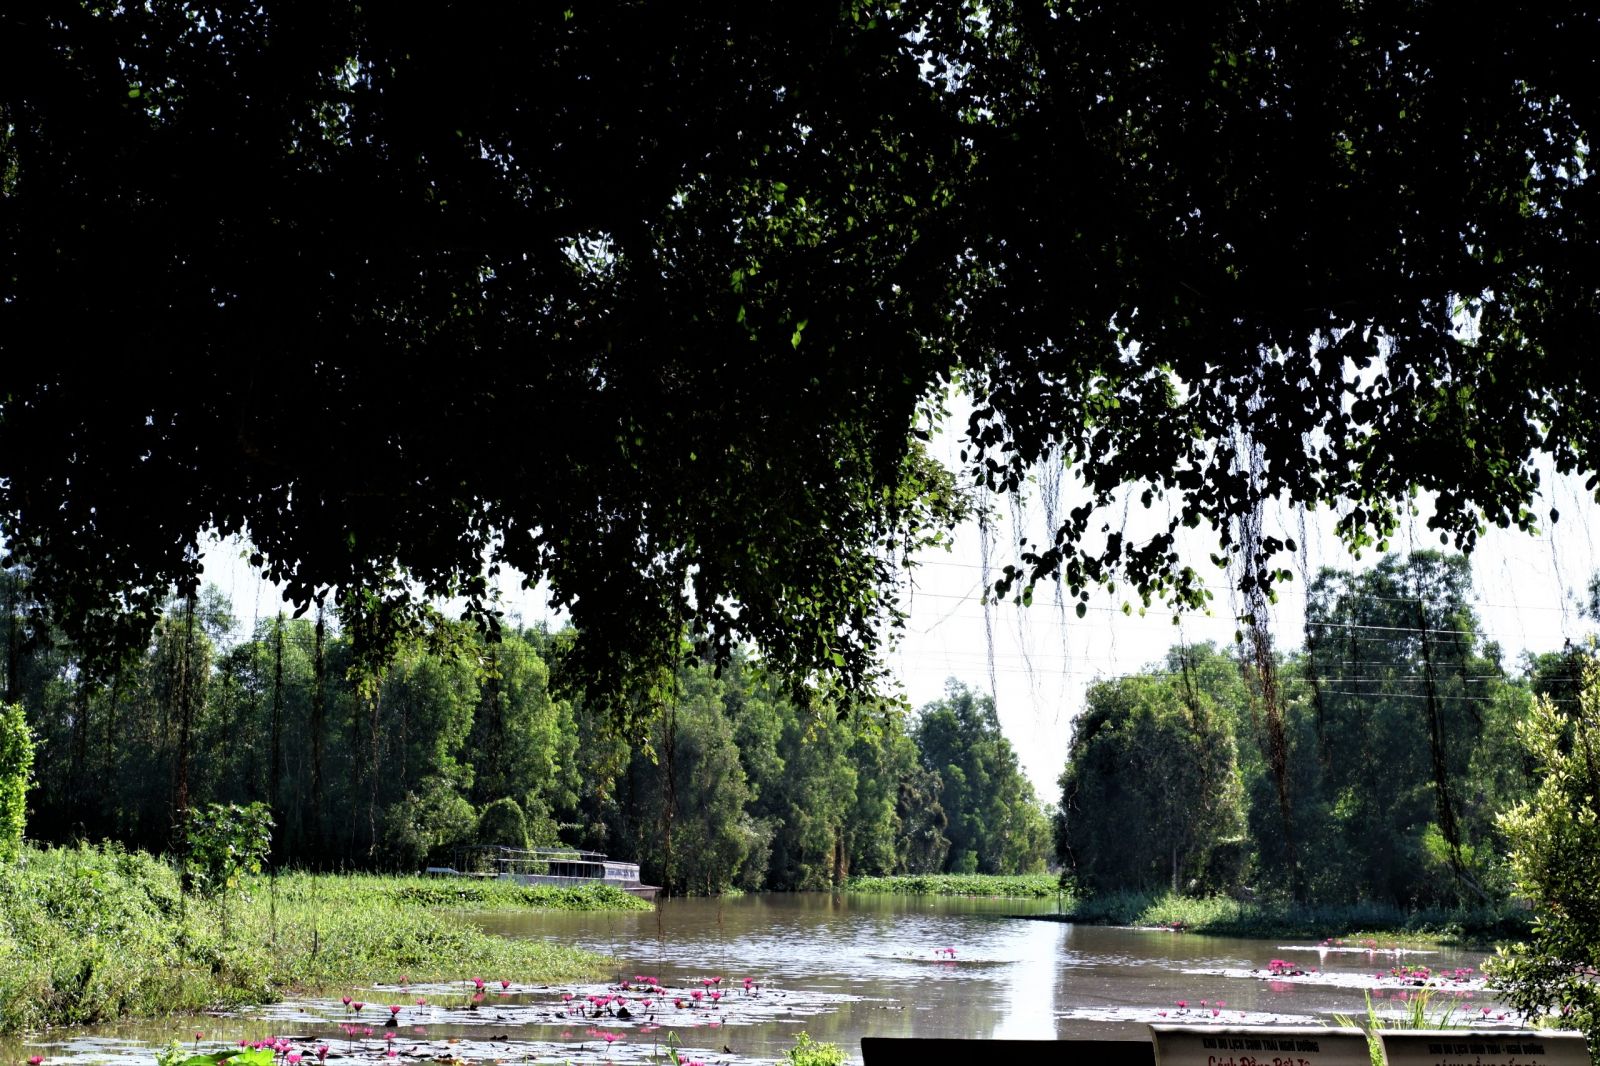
(856, 966)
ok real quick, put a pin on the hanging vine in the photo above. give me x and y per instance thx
(319, 705)
(1260, 664)
(1441, 774)
(185, 699)
(276, 774)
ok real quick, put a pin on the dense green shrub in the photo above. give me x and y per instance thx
(502, 823)
(1555, 853)
(428, 827)
(809, 1052)
(16, 764)
(226, 842)
(1016, 886)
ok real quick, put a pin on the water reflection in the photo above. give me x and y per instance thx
(1009, 978)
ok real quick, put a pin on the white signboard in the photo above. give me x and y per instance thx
(1238, 1045)
(1484, 1047)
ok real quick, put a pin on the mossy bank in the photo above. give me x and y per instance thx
(1017, 886)
(90, 935)
(1221, 916)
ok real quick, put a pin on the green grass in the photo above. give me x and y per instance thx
(473, 893)
(1353, 922)
(1418, 1015)
(91, 935)
(1016, 886)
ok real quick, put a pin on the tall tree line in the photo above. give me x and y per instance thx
(1399, 724)
(458, 740)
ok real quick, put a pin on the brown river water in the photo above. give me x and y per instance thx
(839, 968)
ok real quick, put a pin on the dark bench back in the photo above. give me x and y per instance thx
(934, 1051)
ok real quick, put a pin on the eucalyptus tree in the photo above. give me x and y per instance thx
(1151, 795)
(1409, 719)
(995, 825)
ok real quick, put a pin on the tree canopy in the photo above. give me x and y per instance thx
(653, 303)
(1400, 748)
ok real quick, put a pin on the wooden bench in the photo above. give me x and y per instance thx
(934, 1051)
(1484, 1047)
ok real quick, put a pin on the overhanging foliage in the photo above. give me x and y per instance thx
(650, 303)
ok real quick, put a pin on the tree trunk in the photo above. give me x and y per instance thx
(318, 724)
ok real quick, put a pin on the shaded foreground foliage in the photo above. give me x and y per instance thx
(1198, 257)
(89, 935)
(1555, 839)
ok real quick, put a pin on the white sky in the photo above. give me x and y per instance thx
(1044, 659)
(1527, 590)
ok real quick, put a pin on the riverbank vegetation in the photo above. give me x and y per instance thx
(461, 740)
(1366, 770)
(93, 934)
(1356, 924)
(1018, 886)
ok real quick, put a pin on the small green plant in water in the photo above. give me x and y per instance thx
(1415, 1017)
(175, 1055)
(676, 1057)
(809, 1052)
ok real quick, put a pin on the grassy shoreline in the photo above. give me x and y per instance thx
(92, 935)
(1387, 924)
(1007, 886)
